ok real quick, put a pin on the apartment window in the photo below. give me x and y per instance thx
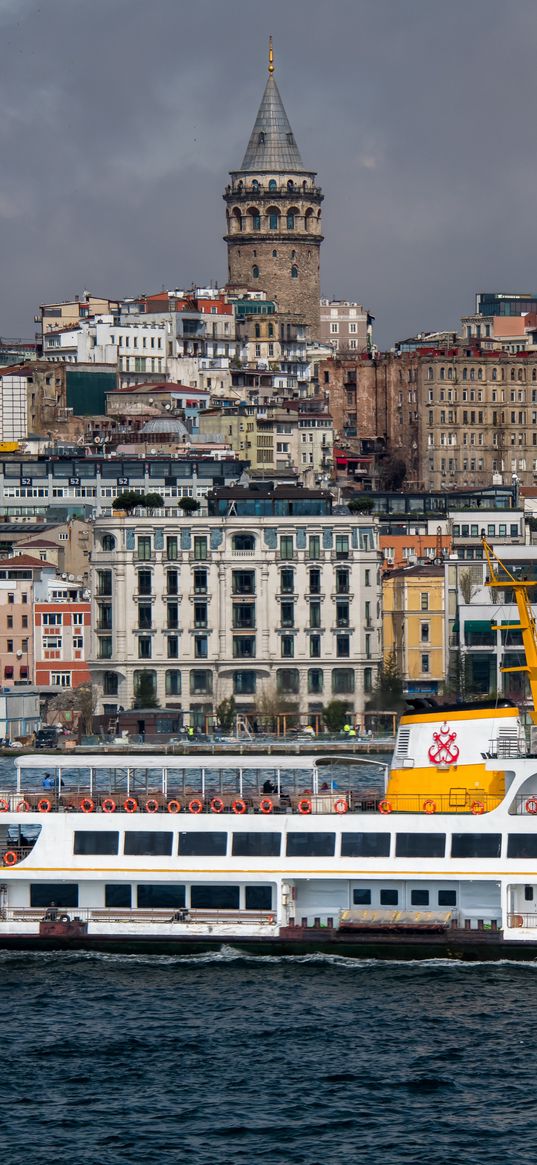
(287, 580)
(200, 547)
(171, 548)
(144, 616)
(342, 582)
(343, 646)
(172, 582)
(104, 647)
(172, 616)
(145, 685)
(424, 632)
(286, 546)
(244, 683)
(287, 614)
(315, 646)
(342, 546)
(314, 546)
(144, 647)
(144, 547)
(11, 597)
(10, 622)
(173, 683)
(145, 579)
(315, 614)
(425, 659)
(243, 582)
(342, 681)
(342, 613)
(60, 679)
(50, 620)
(201, 646)
(201, 683)
(244, 646)
(110, 683)
(287, 646)
(200, 614)
(200, 581)
(367, 578)
(315, 681)
(315, 580)
(424, 601)
(78, 619)
(244, 616)
(173, 647)
(287, 680)
(368, 679)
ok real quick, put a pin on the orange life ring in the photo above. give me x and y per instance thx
(478, 807)
(265, 805)
(44, 805)
(517, 920)
(341, 805)
(108, 805)
(385, 807)
(23, 807)
(151, 806)
(174, 806)
(4, 805)
(530, 806)
(10, 858)
(239, 806)
(217, 805)
(304, 805)
(130, 805)
(429, 806)
(87, 805)
(270, 918)
(195, 806)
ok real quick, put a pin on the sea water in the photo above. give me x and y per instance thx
(226, 1059)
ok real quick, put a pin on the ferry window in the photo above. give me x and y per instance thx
(420, 845)
(522, 845)
(258, 898)
(206, 844)
(447, 897)
(528, 893)
(160, 896)
(361, 897)
(253, 845)
(214, 897)
(365, 845)
(89, 841)
(311, 845)
(148, 843)
(389, 897)
(476, 845)
(63, 894)
(118, 894)
(419, 897)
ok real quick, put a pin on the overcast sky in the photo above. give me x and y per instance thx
(119, 120)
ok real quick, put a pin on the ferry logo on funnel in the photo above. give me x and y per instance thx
(443, 750)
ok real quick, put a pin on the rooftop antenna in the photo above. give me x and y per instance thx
(270, 57)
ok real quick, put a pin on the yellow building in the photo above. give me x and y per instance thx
(414, 620)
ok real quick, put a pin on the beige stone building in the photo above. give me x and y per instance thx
(346, 326)
(273, 210)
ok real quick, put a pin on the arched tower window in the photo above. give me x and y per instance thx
(255, 271)
(290, 184)
(271, 330)
(273, 185)
(237, 218)
(294, 271)
(309, 220)
(255, 217)
(274, 254)
(255, 185)
(291, 218)
(257, 332)
(273, 218)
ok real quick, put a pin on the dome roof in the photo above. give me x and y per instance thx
(165, 425)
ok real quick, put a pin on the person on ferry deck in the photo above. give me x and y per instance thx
(268, 787)
(48, 781)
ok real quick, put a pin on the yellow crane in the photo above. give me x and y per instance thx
(500, 576)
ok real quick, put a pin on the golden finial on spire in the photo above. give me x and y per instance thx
(270, 56)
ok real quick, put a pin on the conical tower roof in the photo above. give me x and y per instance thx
(272, 145)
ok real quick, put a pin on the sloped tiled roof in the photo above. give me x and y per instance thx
(272, 146)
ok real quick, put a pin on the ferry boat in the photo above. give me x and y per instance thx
(287, 854)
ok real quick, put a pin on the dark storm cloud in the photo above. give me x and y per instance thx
(120, 119)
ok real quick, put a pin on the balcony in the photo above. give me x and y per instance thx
(243, 553)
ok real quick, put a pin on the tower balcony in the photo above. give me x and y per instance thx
(300, 193)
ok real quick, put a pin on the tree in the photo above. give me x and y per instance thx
(387, 695)
(271, 704)
(76, 707)
(188, 505)
(126, 501)
(226, 712)
(335, 715)
(393, 472)
(145, 691)
(361, 504)
(151, 501)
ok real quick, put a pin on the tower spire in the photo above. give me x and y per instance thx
(270, 57)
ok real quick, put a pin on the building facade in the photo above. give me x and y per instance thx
(273, 210)
(414, 618)
(346, 326)
(268, 597)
